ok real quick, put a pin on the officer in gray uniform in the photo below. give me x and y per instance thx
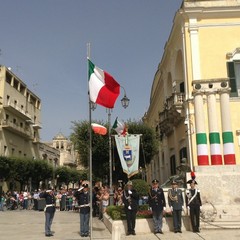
(175, 201)
(157, 203)
(49, 211)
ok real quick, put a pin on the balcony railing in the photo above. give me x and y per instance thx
(15, 109)
(172, 114)
(15, 128)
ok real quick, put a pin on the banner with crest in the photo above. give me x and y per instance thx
(128, 151)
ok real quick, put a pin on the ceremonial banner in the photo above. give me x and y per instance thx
(128, 151)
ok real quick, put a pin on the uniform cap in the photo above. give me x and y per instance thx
(191, 181)
(129, 183)
(174, 182)
(155, 181)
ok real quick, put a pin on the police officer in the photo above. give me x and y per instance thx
(175, 201)
(130, 200)
(157, 203)
(194, 203)
(83, 197)
(49, 210)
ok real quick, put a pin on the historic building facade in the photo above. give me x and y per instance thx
(194, 105)
(196, 90)
(19, 117)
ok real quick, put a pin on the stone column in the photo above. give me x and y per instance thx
(227, 134)
(214, 137)
(201, 137)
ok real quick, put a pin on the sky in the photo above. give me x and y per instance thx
(45, 44)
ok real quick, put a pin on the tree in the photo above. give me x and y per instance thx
(100, 147)
(6, 166)
(41, 172)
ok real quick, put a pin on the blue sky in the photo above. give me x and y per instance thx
(45, 44)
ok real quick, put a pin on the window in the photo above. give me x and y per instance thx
(234, 78)
(182, 154)
(173, 165)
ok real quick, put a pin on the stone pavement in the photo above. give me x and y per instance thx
(24, 224)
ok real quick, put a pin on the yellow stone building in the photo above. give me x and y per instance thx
(194, 106)
(195, 95)
(19, 117)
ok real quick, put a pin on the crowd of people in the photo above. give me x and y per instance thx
(79, 200)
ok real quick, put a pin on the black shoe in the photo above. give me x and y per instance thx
(48, 235)
(128, 233)
(160, 231)
(175, 231)
(133, 233)
(179, 231)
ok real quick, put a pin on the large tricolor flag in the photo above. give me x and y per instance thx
(103, 88)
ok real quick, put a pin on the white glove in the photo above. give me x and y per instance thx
(164, 208)
(188, 207)
(200, 208)
(183, 208)
(171, 208)
(129, 192)
(150, 209)
(129, 207)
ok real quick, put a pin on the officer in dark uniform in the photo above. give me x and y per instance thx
(83, 197)
(130, 199)
(175, 201)
(157, 203)
(49, 210)
(194, 204)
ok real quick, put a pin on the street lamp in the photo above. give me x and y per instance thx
(125, 102)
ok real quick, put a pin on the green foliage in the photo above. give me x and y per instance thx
(21, 170)
(141, 187)
(118, 212)
(100, 147)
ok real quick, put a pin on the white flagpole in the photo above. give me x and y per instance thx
(90, 145)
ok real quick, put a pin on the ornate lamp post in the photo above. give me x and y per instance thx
(125, 102)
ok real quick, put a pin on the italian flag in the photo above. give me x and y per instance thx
(119, 127)
(103, 88)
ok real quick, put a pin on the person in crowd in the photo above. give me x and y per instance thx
(95, 202)
(118, 196)
(105, 199)
(157, 203)
(130, 200)
(83, 197)
(175, 201)
(35, 199)
(49, 210)
(194, 204)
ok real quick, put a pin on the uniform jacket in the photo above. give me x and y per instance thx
(50, 199)
(193, 198)
(175, 198)
(83, 201)
(156, 199)
(130, 199)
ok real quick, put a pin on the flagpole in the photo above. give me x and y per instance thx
(90, 145)
(110, 157)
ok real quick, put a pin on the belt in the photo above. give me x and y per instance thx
(84, 205)
(50, 205)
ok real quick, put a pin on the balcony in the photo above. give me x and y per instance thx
(16, 129)
(69, 162)
(37, 126)
(172, 114)
(16, 110)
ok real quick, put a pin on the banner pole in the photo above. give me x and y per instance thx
(90, 145)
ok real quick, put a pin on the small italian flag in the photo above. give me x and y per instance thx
(119, 127)
(103, 88)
